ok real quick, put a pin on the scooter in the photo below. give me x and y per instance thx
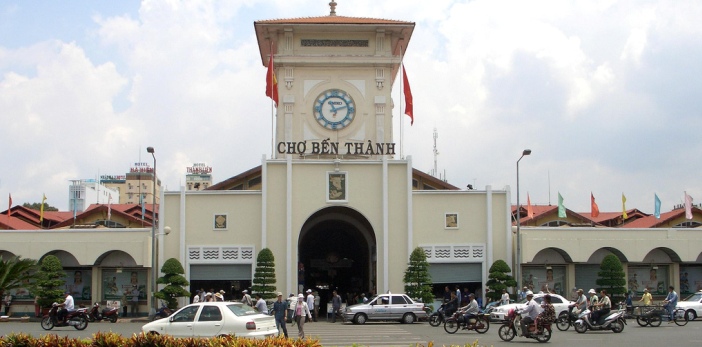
(77, 319)
(110, 314)
(512, 327)
(163, 312)
(613, 321)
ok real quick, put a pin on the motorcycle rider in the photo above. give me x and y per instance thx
(604, 304)
(68, 306)
(531, 311)
(548, 315)
(580, 303)
(451, 305)
(471, 310)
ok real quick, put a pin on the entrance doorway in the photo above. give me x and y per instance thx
(337, 250)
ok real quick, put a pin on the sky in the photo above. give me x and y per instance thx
(606, 94)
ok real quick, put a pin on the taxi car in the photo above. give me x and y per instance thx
(212, 319)
(388, 307)
(560, 305)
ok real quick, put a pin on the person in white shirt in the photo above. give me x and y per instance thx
(310, 302)
(196, 298)
(261, 306)
(504, 300)
(68, 306)
(301, 311)
(529, 313)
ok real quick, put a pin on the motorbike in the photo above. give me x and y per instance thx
(480, 322)
(512, 327)
(77, 319)
(613, 321)
(163, 312)
(110, 314)
(439, 317)
(566, 319)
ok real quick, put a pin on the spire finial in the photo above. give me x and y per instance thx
(332, 5)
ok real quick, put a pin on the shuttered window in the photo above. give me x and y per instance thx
(455, 272)
(209, 272)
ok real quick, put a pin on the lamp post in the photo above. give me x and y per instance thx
(152, 312)
(519, 235)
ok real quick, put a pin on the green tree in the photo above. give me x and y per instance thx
(51, 283)
(264, 277)
(37, 206)
(15, 272)
(417, 278)
(173, 279)
(499, 279)
(612, 277)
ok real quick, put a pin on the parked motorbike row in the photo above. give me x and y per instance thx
(540, 331)
(95, 315)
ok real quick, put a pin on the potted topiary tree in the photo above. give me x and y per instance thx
(173, 279)
(264, 277)
(417, 278)
(51, 283)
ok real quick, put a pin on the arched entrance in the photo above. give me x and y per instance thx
(337, 248)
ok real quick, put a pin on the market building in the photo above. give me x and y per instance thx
(336, 202)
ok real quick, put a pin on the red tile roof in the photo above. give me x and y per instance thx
(332, 20)
(14, 223)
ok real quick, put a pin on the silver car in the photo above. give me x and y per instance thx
(397, 307)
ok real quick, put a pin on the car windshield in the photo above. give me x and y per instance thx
(694, 297)
(241, 309)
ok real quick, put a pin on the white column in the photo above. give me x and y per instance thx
(292, 265)
(386, 267)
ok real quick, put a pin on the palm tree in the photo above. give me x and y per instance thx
(15, 272)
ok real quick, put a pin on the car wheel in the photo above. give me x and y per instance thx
(506, 332)
(360, 318)
(691, 315)
(408, 318)
(580, 327)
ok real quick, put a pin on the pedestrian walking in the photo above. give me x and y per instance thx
(301, 311)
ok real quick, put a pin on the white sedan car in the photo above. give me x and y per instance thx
(560, 305)
(692, 305)
(210, 319)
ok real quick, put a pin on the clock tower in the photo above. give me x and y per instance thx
(334, 78)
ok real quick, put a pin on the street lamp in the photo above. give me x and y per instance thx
(153, 237)
(519, 235)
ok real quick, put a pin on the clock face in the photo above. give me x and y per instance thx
(334, 109)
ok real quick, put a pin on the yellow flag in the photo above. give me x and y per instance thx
(41, 209)
(624, 215)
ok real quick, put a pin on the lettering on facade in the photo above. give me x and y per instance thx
(141, 167)
(199, 168)
(332, 148)
(113, 177)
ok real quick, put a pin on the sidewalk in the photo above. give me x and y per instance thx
(37, 320)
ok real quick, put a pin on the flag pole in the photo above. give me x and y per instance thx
(402, 123)
(272, 108)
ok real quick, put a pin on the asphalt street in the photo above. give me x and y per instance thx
(395, 334)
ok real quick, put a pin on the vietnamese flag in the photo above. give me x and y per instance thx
(594, 210)
(271, 82)
(408, 95)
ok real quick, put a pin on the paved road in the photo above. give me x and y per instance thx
(395, 334)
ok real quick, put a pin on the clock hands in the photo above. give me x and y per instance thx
(334, 109)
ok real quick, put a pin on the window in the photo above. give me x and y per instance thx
(186, 315)
(555, 223)
(210, 314)
(398, 300)
(690, 224)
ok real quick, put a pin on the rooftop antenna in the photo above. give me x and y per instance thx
(332, 6)
(436, 153)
